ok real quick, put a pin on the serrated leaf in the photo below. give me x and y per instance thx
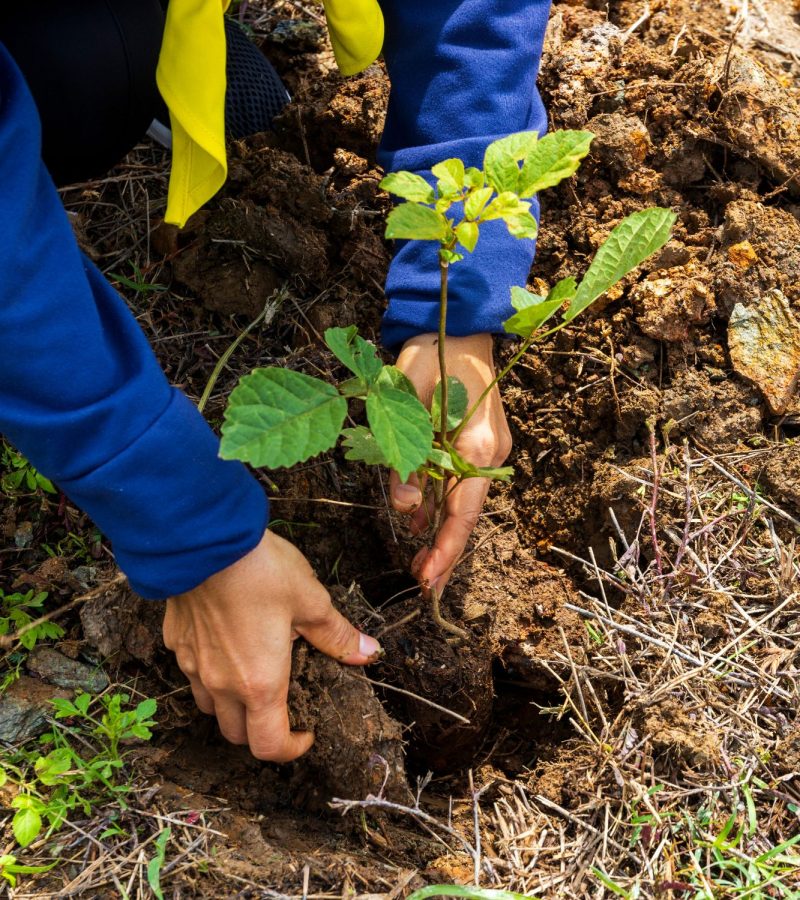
(402, 428)
(629, 244)
(277, 417)
(476, 201)
(457, 402)
(555, 157)
(467, 234)
(26, 825)
(505, 204)
(530, 319)
(410, 221)
(473, 178)
(450, 175)
(408, 186)
(391, 376)
(502, 157)
(359, 355)
(362, 446)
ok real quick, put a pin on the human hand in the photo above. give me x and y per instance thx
(233, 634)
(485, 441)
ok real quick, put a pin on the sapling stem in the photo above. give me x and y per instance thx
(439, 486)
(527, 344)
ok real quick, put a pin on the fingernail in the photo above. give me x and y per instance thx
(369, 647)
(407, 494)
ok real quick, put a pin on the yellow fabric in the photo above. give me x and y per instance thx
(191, 79)
(356, 30)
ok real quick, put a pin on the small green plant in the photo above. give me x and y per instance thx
(77, 765)
(277, 417)
(19, 611)
(10, 868)
(19, 475)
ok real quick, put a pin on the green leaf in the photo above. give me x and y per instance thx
(391, 376)
(408, 186)
(402, 428)
(411, 221)
(450, 256)
(470, 893)
(555, 157)
(629, 244)
(521, 225)
(530, 318)
(362, 446)
(450, 175)
(353, 387)
(503, 205)
(457, 402)
(359, 355)
(442, 459)
(500, 162)
(146, 709)
(476, 201)
(277, 417)
(467, 234)
(522, 298)
(564, 290)
(473, 178)
(157, 862)
(26, 825)
(503, 473)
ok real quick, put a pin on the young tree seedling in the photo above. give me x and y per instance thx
(277, 417)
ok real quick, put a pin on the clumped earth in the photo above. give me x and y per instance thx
(685, 117)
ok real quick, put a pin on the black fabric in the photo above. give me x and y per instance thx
(91, 68)
(255, 93)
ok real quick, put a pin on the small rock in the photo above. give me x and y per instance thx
(671, 301)
(23, 536)
(742, 255)
(24, 708)
(54, 667)
(764, 343)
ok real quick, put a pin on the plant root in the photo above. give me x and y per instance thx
(436, 611)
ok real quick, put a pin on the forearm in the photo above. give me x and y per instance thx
(82, 395)
(463, 74)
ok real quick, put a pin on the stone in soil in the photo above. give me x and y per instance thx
(24, 708)
(51, 666)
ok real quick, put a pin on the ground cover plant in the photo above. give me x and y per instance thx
(641, 734)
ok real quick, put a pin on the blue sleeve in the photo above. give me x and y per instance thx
(83, 397)
(463, 73)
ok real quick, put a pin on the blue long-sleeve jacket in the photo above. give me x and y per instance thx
(81, 393)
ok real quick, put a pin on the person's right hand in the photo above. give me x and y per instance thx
(233, 634)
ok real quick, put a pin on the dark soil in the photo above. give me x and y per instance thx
(683, 119)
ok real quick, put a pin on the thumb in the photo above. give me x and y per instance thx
(405, 497)
(337, 638)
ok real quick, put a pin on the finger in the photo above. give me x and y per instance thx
(202, 698)
(422, 519)
(269, 736)
(230, 714)
(406, 497)
(329, 631)
(462, 512)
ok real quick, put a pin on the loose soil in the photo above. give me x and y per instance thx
(683, 118)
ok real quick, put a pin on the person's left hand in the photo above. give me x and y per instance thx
(485, 441)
